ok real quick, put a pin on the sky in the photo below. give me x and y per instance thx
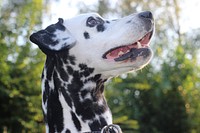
(189, 17)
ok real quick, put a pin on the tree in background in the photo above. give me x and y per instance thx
(163, 97)
(20, 67)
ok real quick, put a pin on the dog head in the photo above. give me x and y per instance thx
(111, 47)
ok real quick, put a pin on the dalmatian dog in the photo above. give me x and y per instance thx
(81, 54)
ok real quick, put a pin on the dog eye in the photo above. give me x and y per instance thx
(91, 22)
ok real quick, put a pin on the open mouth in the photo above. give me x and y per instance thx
(132, 51)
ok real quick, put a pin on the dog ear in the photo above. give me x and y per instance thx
(55, 37)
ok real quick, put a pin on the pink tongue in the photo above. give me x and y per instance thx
(115, 52)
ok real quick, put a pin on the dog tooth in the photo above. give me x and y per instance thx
(139, 45)
(120, 53)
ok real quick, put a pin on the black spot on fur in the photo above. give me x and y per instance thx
(70, 70)
(76, 121)
(44, 96)
(82, 66)
(54, 113)
(107, 21)
(72, 60)
(103, 122)
(95, 125)
(84, 93)
(97, 77)
(49, 66)
(100, 109)
(67, 131)
(86, 71)
(100, 28)
(87, 109)
(76, 83)
(86, 35)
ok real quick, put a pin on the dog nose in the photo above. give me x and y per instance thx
(146, 15)
(148, 20)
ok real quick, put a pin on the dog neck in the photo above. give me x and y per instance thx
(73, 98)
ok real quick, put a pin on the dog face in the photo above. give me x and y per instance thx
(111, 47)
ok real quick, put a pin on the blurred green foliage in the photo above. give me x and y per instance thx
(20, 67)
(162, 98)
